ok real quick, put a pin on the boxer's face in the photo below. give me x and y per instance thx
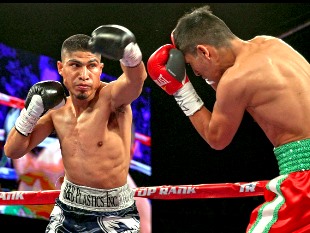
(204, 63)
(81, 73)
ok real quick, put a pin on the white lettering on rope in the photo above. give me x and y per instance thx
(11, 196)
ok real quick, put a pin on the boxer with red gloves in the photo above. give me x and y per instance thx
(166, 66)
(263, 76)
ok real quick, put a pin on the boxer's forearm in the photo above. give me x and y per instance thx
(16, 145)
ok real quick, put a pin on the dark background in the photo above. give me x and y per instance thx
(179, 155)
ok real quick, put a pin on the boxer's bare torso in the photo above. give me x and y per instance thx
(265, 77)
(95, 141)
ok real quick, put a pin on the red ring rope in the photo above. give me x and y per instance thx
(11, 101)
(164, 192)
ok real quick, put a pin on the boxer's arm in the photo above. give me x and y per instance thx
(219, 127)
(129, 85)
(34, 123)
(116, 42)
(17, 145)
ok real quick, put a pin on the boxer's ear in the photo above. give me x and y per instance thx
(204, 51)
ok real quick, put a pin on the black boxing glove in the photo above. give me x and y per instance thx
(41, 97)
(116, 42)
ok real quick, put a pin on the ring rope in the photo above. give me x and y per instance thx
(11, 101)
(164, 192)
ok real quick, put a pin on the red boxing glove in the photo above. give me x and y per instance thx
(166, 66)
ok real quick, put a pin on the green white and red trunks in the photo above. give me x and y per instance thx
(287, 197)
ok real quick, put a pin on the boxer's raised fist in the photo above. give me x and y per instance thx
(116, 42)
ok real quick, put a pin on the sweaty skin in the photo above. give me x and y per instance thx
(94, 126)
(264, 76)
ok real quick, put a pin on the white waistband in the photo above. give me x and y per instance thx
(94, 199)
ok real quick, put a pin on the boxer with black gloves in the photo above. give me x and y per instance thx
(94, 131)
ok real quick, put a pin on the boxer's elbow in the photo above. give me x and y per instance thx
(8, 153)
(11, 153)
(217, 143)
